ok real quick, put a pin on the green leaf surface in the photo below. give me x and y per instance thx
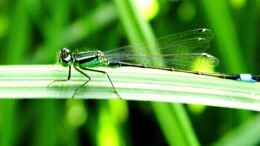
(132, 83)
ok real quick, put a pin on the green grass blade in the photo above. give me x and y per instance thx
(132, 83)
(246, 134)
(249, 33)
(226, 34)
(139, 31)
(227, 39)
(49, 121)
(9, 132)
(179, 119)
(17, 44)
(59, 12)
(19, 35)
(81, 28)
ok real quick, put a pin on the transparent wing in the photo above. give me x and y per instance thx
(178, 61)
(178, 50)
(194, 40)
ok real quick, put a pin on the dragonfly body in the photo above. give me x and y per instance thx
(83, 59)
(98, 58)
(178, 51)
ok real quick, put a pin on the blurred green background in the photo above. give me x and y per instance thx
(32, 31)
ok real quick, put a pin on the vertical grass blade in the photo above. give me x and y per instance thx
(226, 34)
(8, 129)
(227, 40)
(48, 121)
(249, 33)
(138, 31)
(246, 134)
(82, 28)
(19, 35)
(48, 109)
(18, 41)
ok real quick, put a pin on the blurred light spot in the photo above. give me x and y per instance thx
(197, 108)
(202, 64)
(147, 8)
(186, 11)
(119, 110)
(108, 135)
(3, 25)
(76, 113)
(238, 3)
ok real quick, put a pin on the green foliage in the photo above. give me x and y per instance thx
(31, 32)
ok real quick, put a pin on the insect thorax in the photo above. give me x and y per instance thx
(92, 59)
(102, 58)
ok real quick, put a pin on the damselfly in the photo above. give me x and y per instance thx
(178, 52)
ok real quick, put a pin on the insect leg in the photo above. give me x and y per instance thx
(69, 74)
(110, 80)
(68, 78)
(87, 76)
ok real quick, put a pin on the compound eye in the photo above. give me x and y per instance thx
(65, 55)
